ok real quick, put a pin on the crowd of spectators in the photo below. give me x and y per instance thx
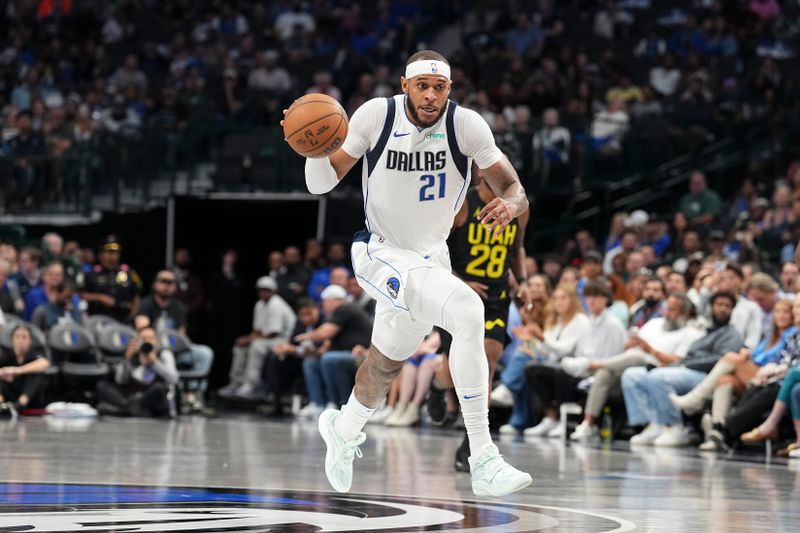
(560, 83)
(653, 320)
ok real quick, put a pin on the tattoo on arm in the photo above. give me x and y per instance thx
(504, 182)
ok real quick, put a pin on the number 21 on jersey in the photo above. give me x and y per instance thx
(427, 191)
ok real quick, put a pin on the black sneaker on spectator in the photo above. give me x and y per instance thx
(461, 463)
(436, 405)
(108, 409)
(8, 410)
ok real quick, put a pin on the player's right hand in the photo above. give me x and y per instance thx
(480, 288)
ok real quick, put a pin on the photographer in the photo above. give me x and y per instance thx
(142, 381)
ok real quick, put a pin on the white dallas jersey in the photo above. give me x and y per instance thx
(415, 180)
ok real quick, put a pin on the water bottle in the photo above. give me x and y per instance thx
(607, 428)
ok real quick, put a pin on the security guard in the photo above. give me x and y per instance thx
(112, 288)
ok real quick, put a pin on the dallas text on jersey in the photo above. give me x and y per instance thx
(416, 161)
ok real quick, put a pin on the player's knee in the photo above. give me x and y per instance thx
(466, 309)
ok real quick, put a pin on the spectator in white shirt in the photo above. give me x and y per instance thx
(564, 325)
(554, 386)
(609, 127)
(295, 18)
(273, 323)
(268, 75)
(669, 334)
(666, 78)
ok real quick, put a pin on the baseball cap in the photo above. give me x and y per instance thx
(716, 235)
(334, 292)
(267, 283)
(637, 219)
(593, 255)
(110, 244)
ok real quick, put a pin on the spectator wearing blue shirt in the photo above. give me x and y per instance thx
(526, 37)
(52, 278)
(29, 274)
(64, 308)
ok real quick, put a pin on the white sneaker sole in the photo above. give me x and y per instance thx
(323, 423)
(480, 488)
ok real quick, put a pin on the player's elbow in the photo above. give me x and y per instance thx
(315, 186)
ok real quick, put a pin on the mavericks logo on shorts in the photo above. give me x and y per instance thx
(393, 286)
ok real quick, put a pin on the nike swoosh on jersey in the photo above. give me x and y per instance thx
(401, 134)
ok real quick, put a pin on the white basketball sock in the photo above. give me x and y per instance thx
(353, 418)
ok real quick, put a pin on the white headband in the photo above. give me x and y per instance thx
(427, 66)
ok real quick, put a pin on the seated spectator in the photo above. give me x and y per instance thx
(321, 277)
(64, 307)
(763, 290)
(788, 399)
(747, 316)
(628, 241)
(569, 277)
(650, 306)
(591, 269)
(52, 278)
(346, 326)
(701, 205)
(615, 230)
(22, 381)
(294, 277)
(29, 274)
(273, 323)
(142, 380)
(364, 300)
(652, 345)
(666, 78)
(656, 235)
(286, 361)
(609, 126)
(553, 385)
(735, 371)
(164, 312)
(415, 381)
(788, 277)
(646, 392)
(564, 325)
(624, 91)
(760, 395)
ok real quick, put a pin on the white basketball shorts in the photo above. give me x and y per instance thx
(387, 274)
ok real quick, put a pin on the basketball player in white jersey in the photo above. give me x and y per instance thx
(418, 148)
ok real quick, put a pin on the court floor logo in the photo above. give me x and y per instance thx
(83, 507)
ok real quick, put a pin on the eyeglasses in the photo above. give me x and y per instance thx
(166, 281)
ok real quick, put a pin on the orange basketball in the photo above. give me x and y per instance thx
(315, 125)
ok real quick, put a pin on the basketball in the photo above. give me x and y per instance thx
(315, 125)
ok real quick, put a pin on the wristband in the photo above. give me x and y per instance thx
(320, 175)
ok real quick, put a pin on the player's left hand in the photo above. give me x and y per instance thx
(497, 214)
